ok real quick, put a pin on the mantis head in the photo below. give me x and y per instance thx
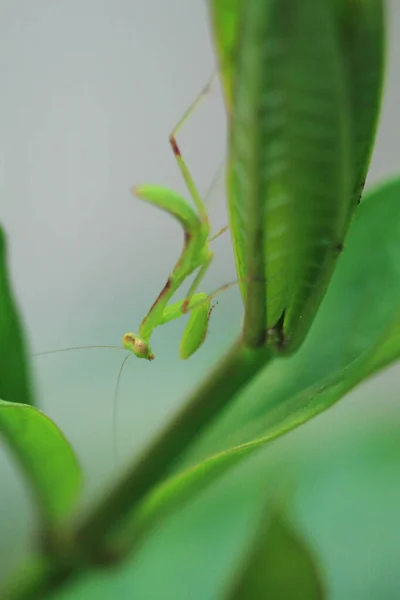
(137, 345)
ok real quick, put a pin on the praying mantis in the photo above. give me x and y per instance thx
(195, 256)
(196, 253)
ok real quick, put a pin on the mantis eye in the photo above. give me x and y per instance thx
(137, 346)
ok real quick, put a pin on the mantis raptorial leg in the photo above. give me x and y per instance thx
(195, 256)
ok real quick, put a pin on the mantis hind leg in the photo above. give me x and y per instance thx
(177, 153)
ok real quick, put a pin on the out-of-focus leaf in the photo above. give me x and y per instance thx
(279, 566)
(45, 456)
(346, 501)
(15, 380)
(289, 176)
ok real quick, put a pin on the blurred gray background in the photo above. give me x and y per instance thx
(90, 92)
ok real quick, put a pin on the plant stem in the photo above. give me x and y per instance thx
(89, 537)
(234, 371)
(36, 580)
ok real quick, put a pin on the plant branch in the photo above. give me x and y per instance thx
(87, 541)
(234, 371)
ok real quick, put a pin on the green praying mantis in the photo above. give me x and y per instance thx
(196, 255)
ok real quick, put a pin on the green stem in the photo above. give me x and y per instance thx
(35, 580)
(90, 536)
(157, 461)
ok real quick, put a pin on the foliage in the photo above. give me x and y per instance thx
(302, 120)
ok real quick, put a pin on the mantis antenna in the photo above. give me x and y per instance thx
(115, 411)
(75, 348)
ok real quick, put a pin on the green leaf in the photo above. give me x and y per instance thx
(362, 31)
(289, 174)
(362, 35)
(224, 16)
(279, 566)
(15, 377)
(362, 40)
(45, 456)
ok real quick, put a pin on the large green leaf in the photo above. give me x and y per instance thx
(290, 173)
(224, 16)
(362, 35)
(45, 456)
(360, 26)
(15, 380)
(279, 565)
(362, 32)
